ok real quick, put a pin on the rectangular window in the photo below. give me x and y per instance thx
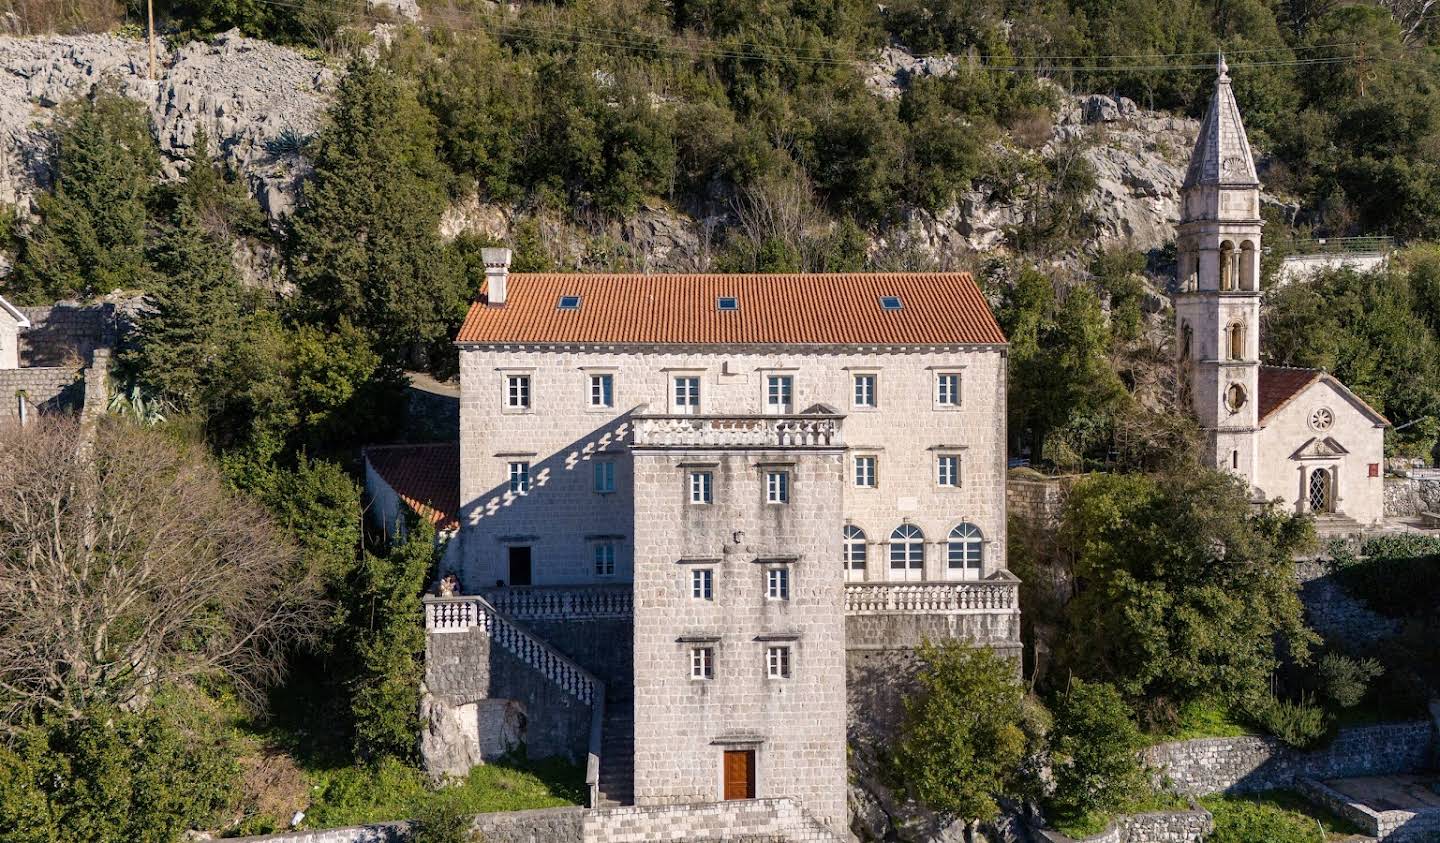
(779, 392)
(602, 390)
(604, 477)
(947, 470)
(865, 391)
(517, 392)
(777, 487)
(777, 584)
(605, 559)
(701, 487)
(865, 472)
(687, 395)
(520, 477)
(778, 662)
(702, 663)
(702, 584)
(947, 389)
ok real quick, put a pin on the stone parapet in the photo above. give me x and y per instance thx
(807, 431)
(546, 603)
(1250, 764)
(999, 593)
(46, 389)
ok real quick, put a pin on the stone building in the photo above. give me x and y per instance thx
(711, 511)
(54, 358)
(1296, 435)
(11, 321)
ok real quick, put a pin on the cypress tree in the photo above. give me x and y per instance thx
(366, 243)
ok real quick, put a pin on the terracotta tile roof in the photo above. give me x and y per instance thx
(833, 309)
(426, 477)
(1280, 384)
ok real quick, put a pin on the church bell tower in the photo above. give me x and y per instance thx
(1217, 309)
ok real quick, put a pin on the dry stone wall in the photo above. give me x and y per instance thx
(67, 333)
(1156, 827)
(1335, 613)
(1411, 496)
(1251, 764)
(46, 389)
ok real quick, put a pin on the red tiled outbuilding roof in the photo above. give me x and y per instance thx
(425, 477)
(944, 308)
(1279, 385)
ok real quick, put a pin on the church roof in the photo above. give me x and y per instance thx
(1222, 152)
(425, 477)
(1279, 385)
(14, 312)
(906, 308)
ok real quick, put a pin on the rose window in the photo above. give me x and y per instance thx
(1322, 419)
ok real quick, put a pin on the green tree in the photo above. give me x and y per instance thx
(91, 236)
(962, 741)
(1095, 752)
(1184, 589)
(387, 619)
(112, 776)
(191, 316)
(365, 245)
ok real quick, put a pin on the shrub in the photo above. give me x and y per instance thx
(1301, 723)
(444, 820)
(1345, 680)
(1094, 752)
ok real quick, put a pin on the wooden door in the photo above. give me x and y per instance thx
(740, 774)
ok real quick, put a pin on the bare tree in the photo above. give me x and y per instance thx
(1413, 16)
(127, 565)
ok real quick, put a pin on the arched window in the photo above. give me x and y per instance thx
(907, 553)
(965, 552)
(854, 554)
(1227, 266)
(1248, 275)
(1237, 341)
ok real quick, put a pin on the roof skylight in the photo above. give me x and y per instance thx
(569, 303)
(890, 302)
(727, 303)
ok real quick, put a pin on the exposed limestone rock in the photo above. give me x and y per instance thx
(891, 71)
(456, 738)
(256, 101)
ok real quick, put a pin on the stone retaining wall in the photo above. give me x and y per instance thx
(1409, 496)
(1190, 826)
(67, 333)
(748, 821)
(1390, 826)
(1038, 501)
(1250, 764)
(1335, 613)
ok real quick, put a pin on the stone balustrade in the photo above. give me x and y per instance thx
(809, 431)
(933, 598)
(461, 614)
(564, 603)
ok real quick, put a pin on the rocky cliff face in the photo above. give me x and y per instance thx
(256, 101)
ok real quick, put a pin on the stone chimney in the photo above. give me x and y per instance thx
(497, 274)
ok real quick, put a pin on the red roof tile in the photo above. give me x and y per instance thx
(426, 477)
(1280, 384)
(830, 309)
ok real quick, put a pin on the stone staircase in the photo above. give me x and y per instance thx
(617, 754)
(1333, 525)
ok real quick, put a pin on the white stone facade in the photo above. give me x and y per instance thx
(11, 321)
(560, 436)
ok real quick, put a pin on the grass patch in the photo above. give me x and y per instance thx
(1095, 823)
(1273, 817)
(1204, 719)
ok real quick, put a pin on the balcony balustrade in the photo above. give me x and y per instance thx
(805, 431)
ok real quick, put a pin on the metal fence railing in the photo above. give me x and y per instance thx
(1337, 246)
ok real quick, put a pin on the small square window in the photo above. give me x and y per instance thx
(947, 389)
(519, 474)
(727, 303)
(517, 392)
(702, 663)
(777, 487)
(947, 467)
(865, 391)
(777, 661)
(779, 394)
(777, 584)
(890, 302)
(702, 487)
(605, 559)
(604, 477)
(602, 390)
(569, 303)
(865, 476)
(702, 584)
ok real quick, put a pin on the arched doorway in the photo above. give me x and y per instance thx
(1321, 490)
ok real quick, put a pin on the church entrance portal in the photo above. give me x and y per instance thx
(1322, 492)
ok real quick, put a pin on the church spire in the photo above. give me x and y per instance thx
(1222, 152)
